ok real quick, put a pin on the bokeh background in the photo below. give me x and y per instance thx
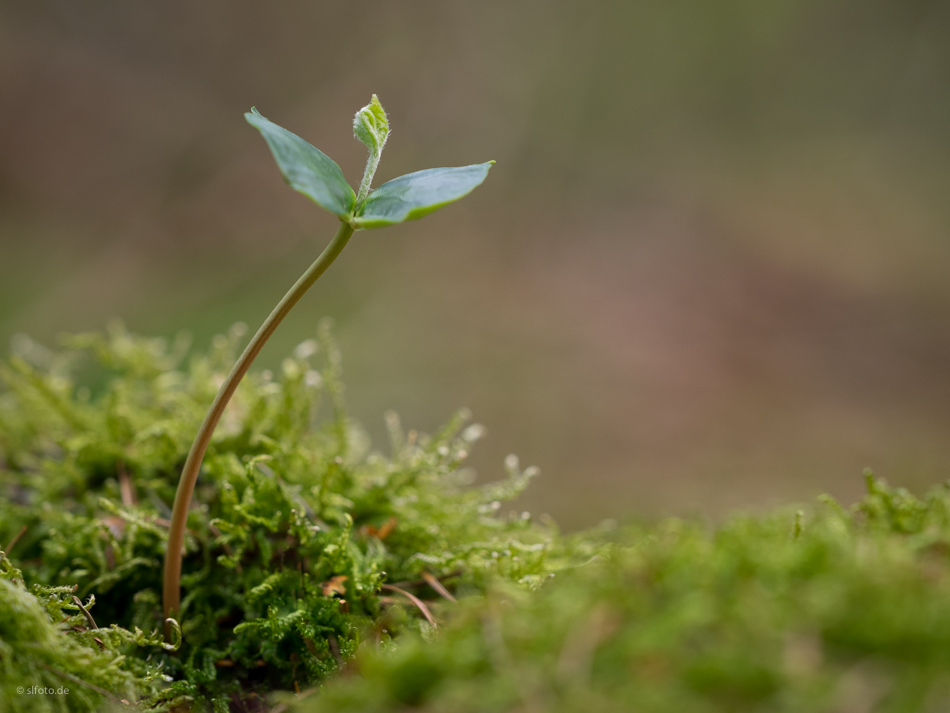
(710, 270)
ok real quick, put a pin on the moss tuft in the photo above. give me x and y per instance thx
(839, 609)
(302, 542)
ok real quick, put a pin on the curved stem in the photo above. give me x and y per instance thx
(171, 588)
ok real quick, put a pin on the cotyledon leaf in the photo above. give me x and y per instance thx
(415, 195)
(306, 168)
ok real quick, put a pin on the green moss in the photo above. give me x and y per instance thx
(310, 564)
(47, 642)
(296, 524)
(836, 610)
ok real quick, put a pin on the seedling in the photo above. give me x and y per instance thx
(313, 173)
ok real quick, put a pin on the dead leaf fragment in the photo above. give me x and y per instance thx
(334, 586)
(382, 532)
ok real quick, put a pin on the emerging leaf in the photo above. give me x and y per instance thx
(371, 126)
(306, 168)
(415, 195)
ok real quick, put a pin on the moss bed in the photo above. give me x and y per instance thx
(322, 575)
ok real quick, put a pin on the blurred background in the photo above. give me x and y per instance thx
(710, 270)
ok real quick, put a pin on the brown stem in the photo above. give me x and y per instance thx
(92, 622)
(16, 538)
(438, 587)
(171, 589)
(420, 605)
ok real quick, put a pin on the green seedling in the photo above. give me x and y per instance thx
(313, 173)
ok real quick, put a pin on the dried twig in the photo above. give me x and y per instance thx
(78, 602)
(126, 487)
(415, 600)
(16, 538)
(438, 586)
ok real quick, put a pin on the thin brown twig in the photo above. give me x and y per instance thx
(415, 600)
(126, 487)
(16, 538)
(439, 587)
(78, 602)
